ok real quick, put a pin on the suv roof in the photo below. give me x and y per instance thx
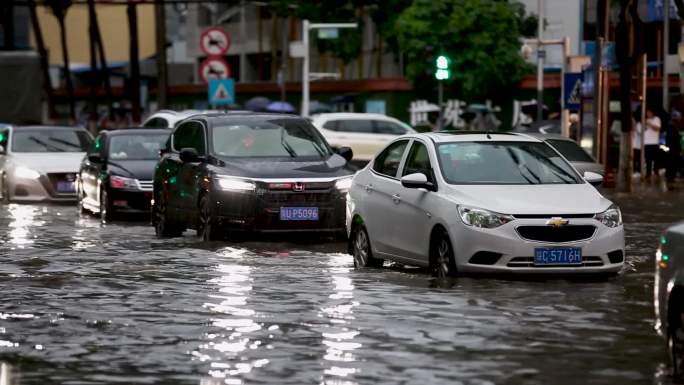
(352, 115)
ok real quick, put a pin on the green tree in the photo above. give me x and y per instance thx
(482, 38)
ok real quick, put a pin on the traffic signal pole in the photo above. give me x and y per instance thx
(440, 93)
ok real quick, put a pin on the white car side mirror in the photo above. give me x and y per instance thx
(593, 178)
(2, 150)
(417, 180)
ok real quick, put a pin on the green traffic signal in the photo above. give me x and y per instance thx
(442, 64)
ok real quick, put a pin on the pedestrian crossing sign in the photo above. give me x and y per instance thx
(221, 92)
(573, 90)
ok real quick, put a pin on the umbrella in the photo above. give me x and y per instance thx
(316, 107)
(283, 107)
(258, 104)
(530, 108)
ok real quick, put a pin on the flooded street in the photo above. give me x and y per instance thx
(85, 303)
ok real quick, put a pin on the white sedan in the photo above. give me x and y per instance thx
(364, 133)
(40, 163)
(478, 202)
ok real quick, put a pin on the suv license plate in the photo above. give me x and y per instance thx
(299, 213)
(549, 256)
(66, 187)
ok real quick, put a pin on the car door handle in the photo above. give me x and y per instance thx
(396, 198)
(368, 188)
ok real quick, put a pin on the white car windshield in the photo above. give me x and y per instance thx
(503, 163)
(50, 140)
(273, 138)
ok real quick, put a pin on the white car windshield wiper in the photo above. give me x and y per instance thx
(46, 145)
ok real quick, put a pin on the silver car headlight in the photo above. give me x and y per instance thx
(482, 218)
(344, 184)
(235, 184)
(611, 217)
(22, 172)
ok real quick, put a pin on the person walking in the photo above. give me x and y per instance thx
(636, 149)
(651, 141)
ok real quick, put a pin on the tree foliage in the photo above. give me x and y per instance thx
(482, 38)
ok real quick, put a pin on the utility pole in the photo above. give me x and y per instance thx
(666, 49)
(540, 60)
(306, 75)
(134, 60)
(162, 69)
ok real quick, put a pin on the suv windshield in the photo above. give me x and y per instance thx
(136, 147)
(503, 163)
(50, 140)
(570, 150)
(275, 138)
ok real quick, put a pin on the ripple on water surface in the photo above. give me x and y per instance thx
(86, 303)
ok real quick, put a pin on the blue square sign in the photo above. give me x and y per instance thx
(221, 92)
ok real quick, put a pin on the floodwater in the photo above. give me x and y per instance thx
(85, 303)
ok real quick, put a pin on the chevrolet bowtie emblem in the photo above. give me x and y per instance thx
(557, 222)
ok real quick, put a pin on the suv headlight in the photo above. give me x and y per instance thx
(344, 184)
(611, 217)
(482, 218)
(235, 184)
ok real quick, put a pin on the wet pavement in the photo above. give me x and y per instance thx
(85, 303)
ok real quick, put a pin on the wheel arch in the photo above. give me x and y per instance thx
(356, 221)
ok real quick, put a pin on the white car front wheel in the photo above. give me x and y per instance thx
(363, 256)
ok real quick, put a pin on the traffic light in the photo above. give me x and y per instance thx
(442, 72)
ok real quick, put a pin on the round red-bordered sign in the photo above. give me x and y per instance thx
(215, 41)
(214, 68)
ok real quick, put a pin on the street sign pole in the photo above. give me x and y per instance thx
(306, 28)
(440, 98)
(305, 69)
(540, 61)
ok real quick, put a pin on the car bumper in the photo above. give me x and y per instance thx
(38, 190)
(133, 202)
(252, 212)
(516, 254)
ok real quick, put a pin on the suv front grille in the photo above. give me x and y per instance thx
(56, 177)
(552, 234)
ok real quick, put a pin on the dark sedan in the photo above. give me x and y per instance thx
(116, 175)
(245, 172)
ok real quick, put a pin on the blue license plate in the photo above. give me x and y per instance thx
(549, 256)
(66, 187)
(299, 213)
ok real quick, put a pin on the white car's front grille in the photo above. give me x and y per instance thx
(146, 185)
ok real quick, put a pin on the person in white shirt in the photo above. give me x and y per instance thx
(636, 147)
(651, 140)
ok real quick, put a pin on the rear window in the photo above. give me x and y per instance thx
(136, 147)
(570, 150)
(50, 140)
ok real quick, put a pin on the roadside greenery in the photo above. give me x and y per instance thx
(482, 37)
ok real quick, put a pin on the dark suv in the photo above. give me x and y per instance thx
(245, 172)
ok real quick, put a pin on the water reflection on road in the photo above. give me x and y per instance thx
(87, 303)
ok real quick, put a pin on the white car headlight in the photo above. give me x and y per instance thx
(22, 172)
(611, 217)
(344, 184)
(482, 218)
(234, 184)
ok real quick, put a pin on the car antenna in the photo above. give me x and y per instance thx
(487, 133)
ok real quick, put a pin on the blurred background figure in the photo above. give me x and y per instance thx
(651, 141)
(674, 147)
